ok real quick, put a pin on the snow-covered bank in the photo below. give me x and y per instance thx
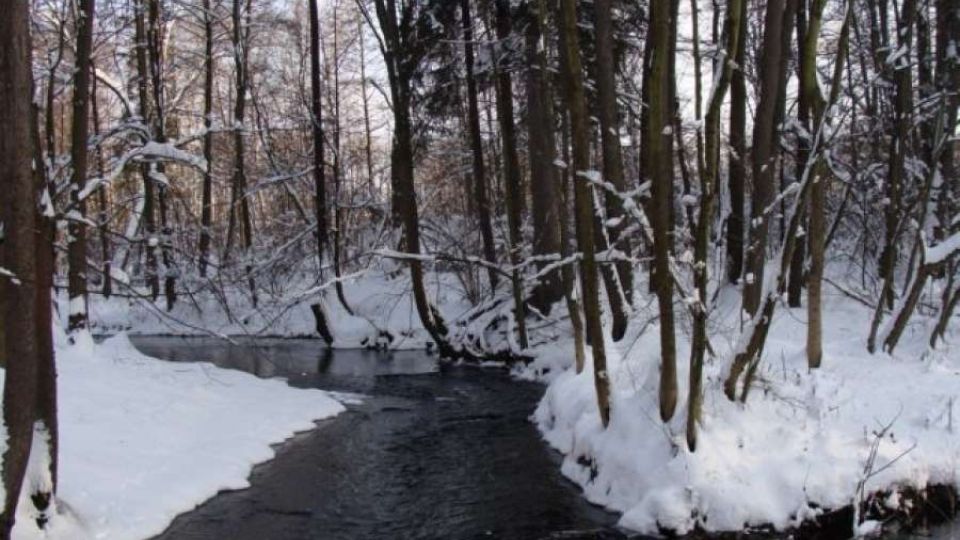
(143, 440)
(380, 300)
(800, 445)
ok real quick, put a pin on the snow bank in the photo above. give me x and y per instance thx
(381, 302)
(143, 440)
(800, 444)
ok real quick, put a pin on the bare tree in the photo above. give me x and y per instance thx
(610, 138)
(708, 187)
(206, 205)
(658, 167)
(77, 244)
(583, 197)
(541, 150)
(21, 286)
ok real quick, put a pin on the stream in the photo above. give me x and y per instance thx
(430, 451)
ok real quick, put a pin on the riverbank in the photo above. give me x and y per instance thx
(142, 441)
(863, 431)
(381, 311)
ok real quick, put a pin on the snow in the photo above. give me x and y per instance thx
(800, 444)
(143, 440)
(380, 303)
(940, 252)
(78, 305)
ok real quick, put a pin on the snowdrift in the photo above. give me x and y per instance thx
(143, 440)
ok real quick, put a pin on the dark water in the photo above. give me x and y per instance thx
(433, 452)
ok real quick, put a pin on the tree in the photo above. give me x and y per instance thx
(511, 163)
(708, 183)
(206, 205)
(405, 39)
(747, 355)
(896, 169)
(541, 151)
(658, 167)
(610, 139)
(22, 246)
(765, 137)
(239, 197)
(155, 48)
(737, 155)
(583, 199)
(143, 102)
(810, 97)
(476, 148)
(77, 244)
(316, 121)
(338, 214)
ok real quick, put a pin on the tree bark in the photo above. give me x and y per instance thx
(241, 40)
(708, 183)
(316, 107)
(765, 136)
(511, 163)
(150, 240)
(76, 227)
(818, 193)
(476, 147)
(583, 197)
(738, 155)
(206, 205)
(896, 170)
(610, 140)
(658, 152)
(155, 52)
(544, 193)
(17, 211)
(103, 219)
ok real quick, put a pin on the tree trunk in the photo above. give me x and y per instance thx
(798, 263)
(764, 142)
(149, 220)
(738, 155)
(476, 146)
(103, 219)
(544, 184)
(610, 140)
(809, 88)
(241, 35)
(511, 163)
(896, 170)
(708, 183)
(155, 50)
(583, 196)
(367, 141)
(77, 228)
(658, 163)
(206, 204)
(46, 413)
(397, 56)
(17, 211)
(338, 217)
(566, 243)
(754, 336)
(316, 105)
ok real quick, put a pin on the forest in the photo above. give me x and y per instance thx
(723, 235)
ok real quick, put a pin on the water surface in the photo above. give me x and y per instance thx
(432, 452)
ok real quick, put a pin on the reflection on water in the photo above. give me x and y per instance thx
(303, 362)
